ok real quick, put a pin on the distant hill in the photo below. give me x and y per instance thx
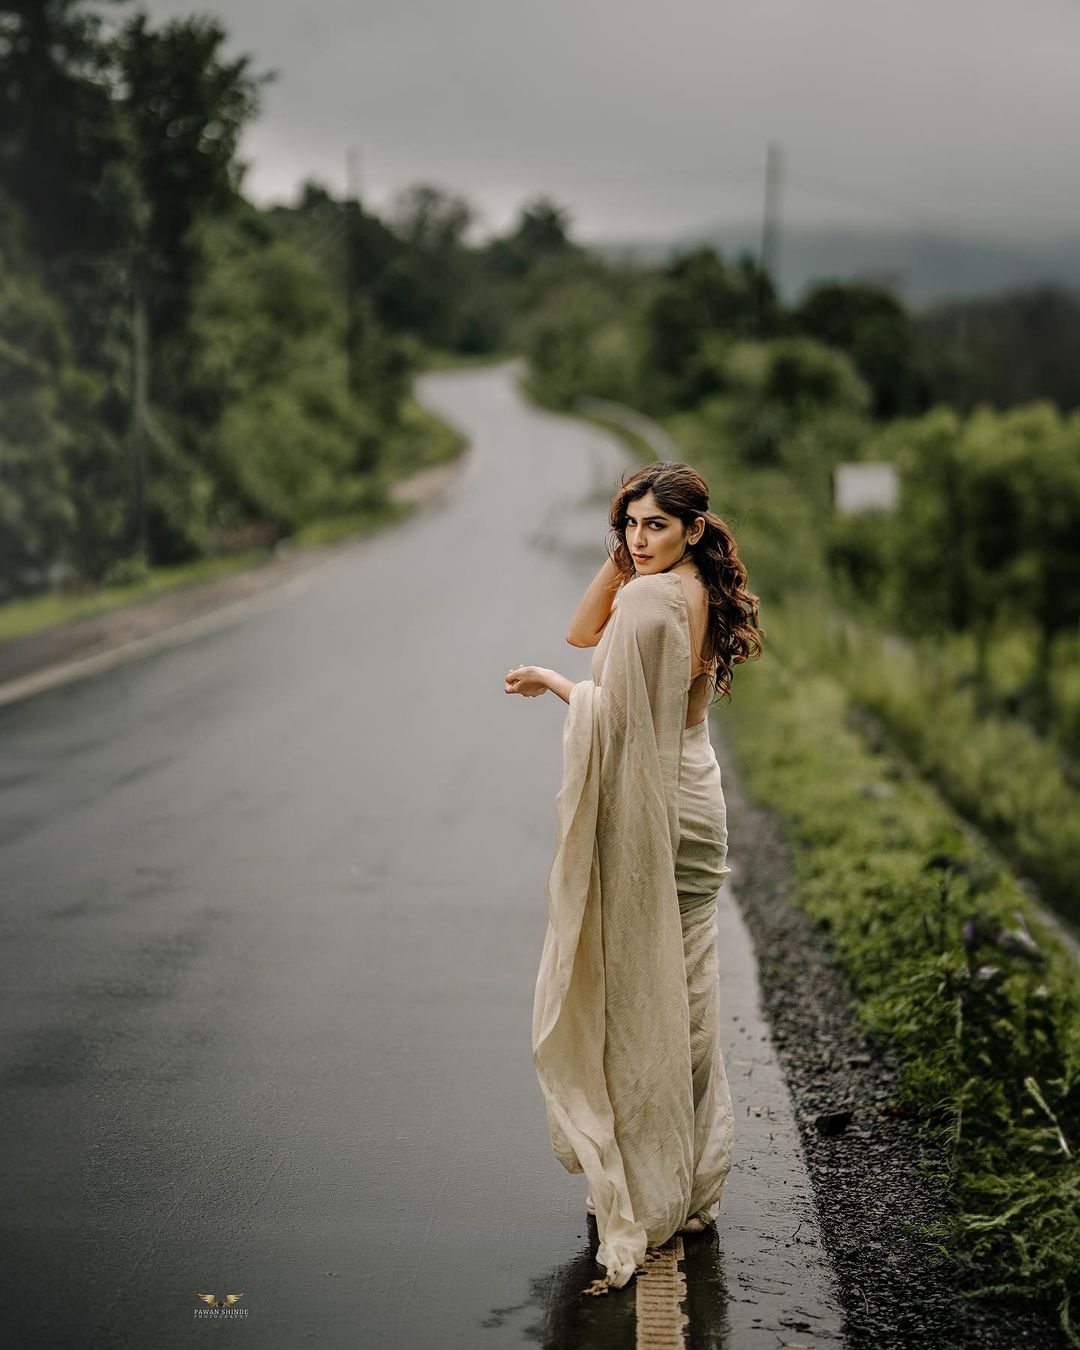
(921, 264)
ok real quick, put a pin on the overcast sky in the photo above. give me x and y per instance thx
(648, 118)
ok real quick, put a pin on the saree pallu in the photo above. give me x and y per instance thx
(625, 1016)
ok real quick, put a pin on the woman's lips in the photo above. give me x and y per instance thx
(642, 557)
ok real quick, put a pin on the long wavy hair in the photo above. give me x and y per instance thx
(733, 607)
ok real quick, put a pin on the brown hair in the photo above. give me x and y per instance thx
(733, 607)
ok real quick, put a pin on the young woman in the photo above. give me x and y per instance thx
(625, 1018)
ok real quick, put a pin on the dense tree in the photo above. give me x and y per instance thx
(699, 295)
(65, 164)
(186, 107)
(541, 231)
(64, 154)
(1006, 349)
(873, 327)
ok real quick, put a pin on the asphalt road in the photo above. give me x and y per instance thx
(271, 911)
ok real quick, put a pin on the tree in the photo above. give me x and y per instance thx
(186, 108)
(65, 164)
(1005, 350)
(63, 152)
(431, 220)
(542, 231)
(871, 324)
(701, 294)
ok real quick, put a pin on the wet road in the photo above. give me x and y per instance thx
(272, 910)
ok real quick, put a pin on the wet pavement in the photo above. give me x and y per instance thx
(272, 912)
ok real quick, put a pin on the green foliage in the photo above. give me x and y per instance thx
(36, 510)
(560, 339)
(427, 287)
(933, 582)
(186, 108)
(804, 377)
(700, 295)
(990, 512)
(541, 232)
(270, 368)
(872, 326)
(800, 376)
(995, 770)
(1004, 350)
(64, 155)
(287, 448)
(784, 401)
(858, 550)
(258, 299)
(270, 400)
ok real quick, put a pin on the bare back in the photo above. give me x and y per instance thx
(697, 605)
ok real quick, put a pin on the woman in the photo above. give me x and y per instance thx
(625, 1018)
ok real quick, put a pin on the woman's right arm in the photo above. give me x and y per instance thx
(593, 612)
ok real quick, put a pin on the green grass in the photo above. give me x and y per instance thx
(995, 769)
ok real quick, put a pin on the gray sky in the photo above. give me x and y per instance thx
(651, 118)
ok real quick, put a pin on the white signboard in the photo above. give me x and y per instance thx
(862, 487)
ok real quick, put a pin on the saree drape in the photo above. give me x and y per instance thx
(615, 1044)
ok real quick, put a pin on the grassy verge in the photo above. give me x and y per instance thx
(913, 905)
(994, 769)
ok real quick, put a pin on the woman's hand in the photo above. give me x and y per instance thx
(531, 681)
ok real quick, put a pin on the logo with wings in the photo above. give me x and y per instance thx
(216, 1302)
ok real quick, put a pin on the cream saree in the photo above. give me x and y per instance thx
(625, 1015)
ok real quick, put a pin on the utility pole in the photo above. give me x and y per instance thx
(770, 230)
(353, 321)
(139, 402)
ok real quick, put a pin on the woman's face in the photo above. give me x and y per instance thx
(655, 539)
